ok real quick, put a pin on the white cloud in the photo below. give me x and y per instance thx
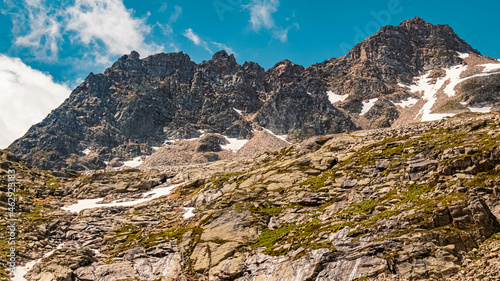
(28, 95)
(189, 34)
(261, 17)
(175, 15)
(221, 46)
(163, 8)
(104, 28)
(37, 28)
(261, 13)
(108, 22)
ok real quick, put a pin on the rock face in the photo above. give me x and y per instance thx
(138, 104)
(418, 202)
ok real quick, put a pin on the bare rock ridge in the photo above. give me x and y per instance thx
(139, 104)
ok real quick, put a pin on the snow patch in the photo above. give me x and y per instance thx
(238, 111)
(423, 84)
(20, 271)
(281, 137)
(334, 98)
(189, 212)
(86, 151)
(490, 67)
(234, 144)
(193, 139)
(481, 109)
(170, 141)
(407, 103)
(84, 204)
(136, 162)
(463, 55)
(155, 147)
(367, 105)
(453, 75)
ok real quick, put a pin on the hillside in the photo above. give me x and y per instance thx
(409, 203)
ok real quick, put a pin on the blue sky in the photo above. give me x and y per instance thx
(55, 36)
(48, 47)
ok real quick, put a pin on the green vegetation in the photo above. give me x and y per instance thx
(154, 239)
(267, 211)
(414, 192)
(481, 179)
(219, 180)
(365, 206)
(271, 240)
(290, 237)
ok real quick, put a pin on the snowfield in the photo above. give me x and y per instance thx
(334, 98)
(20, 271)
(136, 162)
(367, 105)
(452, 79)
(189, 212)
(147, 196)
(481, 109)
(407, 103)
(234, 144)
(281, 137)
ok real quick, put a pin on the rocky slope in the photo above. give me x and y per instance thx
(409, 203)
(415, 71)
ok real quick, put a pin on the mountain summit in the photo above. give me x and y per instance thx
(412, 72)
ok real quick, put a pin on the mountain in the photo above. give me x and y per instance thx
(412, 72)
(418, 202)
(221, 171)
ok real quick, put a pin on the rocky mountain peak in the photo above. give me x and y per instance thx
(154, 66)
(286, 71)
(416, 22)
(414, 41)
(222, 59)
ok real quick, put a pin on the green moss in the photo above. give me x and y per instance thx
(494, 237)
(381, 216)
(318, 182)
(154, 239)
(338, 226)
(269, 238)
(220, 180)
(414, 192)
(267, 211)
(393, 151)
(365, 206)
(480, 179)
(52, 183)
(125, 238)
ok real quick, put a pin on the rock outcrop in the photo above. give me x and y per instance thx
(410, 203)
